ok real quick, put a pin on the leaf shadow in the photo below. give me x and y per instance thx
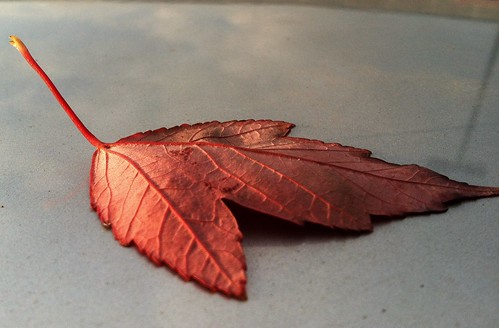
(262, 229)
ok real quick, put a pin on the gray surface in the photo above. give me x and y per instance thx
(403, 86)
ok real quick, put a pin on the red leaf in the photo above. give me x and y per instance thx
(163, 190)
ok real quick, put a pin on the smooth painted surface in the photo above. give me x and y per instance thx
(411, 88)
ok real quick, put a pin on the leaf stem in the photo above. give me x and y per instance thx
(19, 45)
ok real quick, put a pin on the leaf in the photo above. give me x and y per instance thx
(164, 190)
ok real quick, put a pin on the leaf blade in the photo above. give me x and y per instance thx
(186, 175)
(162, 232)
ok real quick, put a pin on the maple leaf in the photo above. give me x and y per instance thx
(164, 190)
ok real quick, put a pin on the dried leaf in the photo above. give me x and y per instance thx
(164, 190)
